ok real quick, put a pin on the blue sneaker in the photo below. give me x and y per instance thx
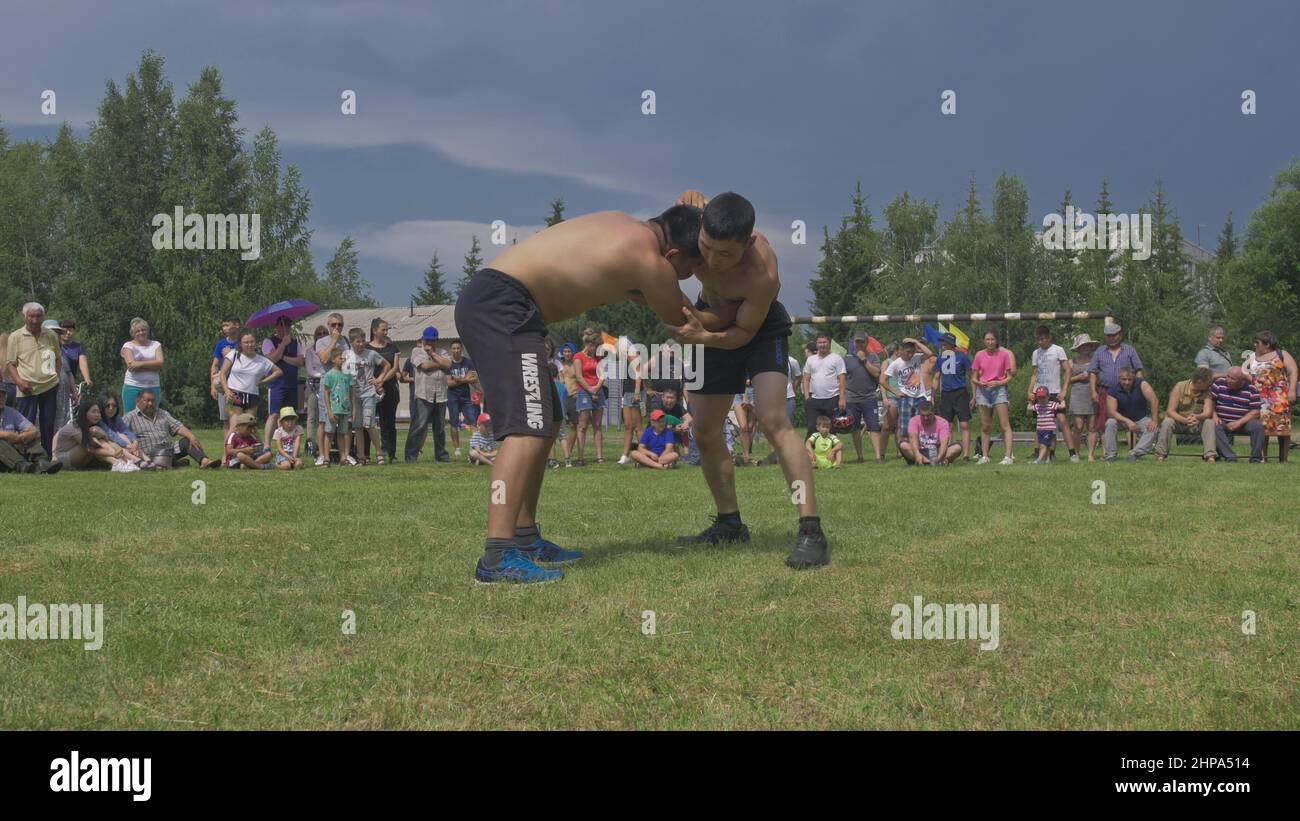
(544, 550)
(516, 569)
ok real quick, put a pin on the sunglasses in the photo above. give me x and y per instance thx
(336, 324)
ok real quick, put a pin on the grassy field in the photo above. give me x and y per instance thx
(228, 614)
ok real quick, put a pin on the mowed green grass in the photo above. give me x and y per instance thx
(229, 614)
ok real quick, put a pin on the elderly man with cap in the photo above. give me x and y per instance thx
(1106, 364)
(34, 362)
(154, 429)
(430, 367)
(19, 450)
(1236, 404)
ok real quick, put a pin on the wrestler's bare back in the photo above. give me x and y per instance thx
(595, 259)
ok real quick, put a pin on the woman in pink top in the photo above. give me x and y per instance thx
(993, 369)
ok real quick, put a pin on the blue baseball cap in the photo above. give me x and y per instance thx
(430, 333)
(949, 338)
(568, 346)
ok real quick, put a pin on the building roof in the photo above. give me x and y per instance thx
(405, 324)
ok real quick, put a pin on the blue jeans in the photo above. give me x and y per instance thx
(461, 411)
(427, 414)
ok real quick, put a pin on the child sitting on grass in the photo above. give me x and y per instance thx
(825, 449)
(482, 445)
(286, 440)
(1046, 410)
(658, 448)
(242, 448)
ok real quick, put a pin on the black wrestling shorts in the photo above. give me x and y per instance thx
(505, 334)
(724, 371)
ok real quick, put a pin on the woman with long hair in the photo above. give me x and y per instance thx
(591, 403)
(244, 374)
(82, 444)
(389, 394)
(993, 369)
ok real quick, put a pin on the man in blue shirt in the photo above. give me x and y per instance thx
(952, 374)
(1133, 404)
(20, 447)
(282, 349)
(230, 325)
(461, 412)
(658, 448)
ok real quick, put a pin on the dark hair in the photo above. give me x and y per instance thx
(729, 216)
(823, 420)
(926, 405)
(681, 225)
(1268, 338)
(996, 336)
(68, 324)
(232, 318)
(826, 334)
(243, 332)
(82, 410)
(320, 331)
(104, 399)
(374, 323)
(1042, 330)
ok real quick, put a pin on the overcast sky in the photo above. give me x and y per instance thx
(477, 111)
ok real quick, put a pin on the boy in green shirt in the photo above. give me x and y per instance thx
(825, 448)
(341, 406)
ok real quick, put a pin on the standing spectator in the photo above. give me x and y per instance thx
(62, 412)
(483, 445)
(1236, 404)
(20, 452)
(1213, 355)
(6, 381)
(993, 368)
(430, 368)
(911, 373)
(553, 364)
(1083, 408)
(1189, 411)
(154, 428)
(742, 405)
(281, 348)
(1133, 404)
(244, 374)
(569, 374)
(633, 382)
(1046, 408)
(591, 402)
(825, 450)
(461, 377)
(657, 447)
(312, 393)
(794, 375)
(1105, 367)
(325, 348)
(1052, 371)
(862, 377)
(929, 438)
(370, 370)
(229, 341)
(243, 450)
(387, 391)
(287, 440)
(76, 366)
(340, 409)
(825, 383)
(952, 376)
(889, 389)
(143, 358)
(1273, 373)
(34, 363)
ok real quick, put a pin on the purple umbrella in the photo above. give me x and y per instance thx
(292, 308)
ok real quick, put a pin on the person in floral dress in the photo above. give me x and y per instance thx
(1274, 373)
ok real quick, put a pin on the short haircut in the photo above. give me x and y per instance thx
(823, 420)
(1127, 371)
(1268, 338)
(681, 226)
(1203, 374)
(337, 352)
(139, 322)
(729, 216)
(357, 333)
(335, 315)
(1214, 328)
(824, 334)
(68, 324)
(33, 306)
(320, 331)
(231, 318)
(926, 406)
(1042, 330)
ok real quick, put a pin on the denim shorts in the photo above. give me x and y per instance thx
(988, 397)
(590, 402)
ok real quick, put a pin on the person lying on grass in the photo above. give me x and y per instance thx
(287, 440)
(242, 448)
(482, 445)
(825, 450)
(658, 447)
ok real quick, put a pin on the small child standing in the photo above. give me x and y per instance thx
(243, 450)
(1046, 410)
(825, 449)
(341, 403)
(482, 445)
(286, 440)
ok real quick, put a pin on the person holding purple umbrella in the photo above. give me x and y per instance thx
(281, 348)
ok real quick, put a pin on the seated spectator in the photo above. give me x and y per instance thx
(825, 450)
(119, 432)
(1236, 404)
(482, 445)
(658, 446)
(1046, 409)
(287, 440)
(1132, 403)
(243, 451)
(82, 444)
(929, 438)
(1189, 412)
(20, 447)
(154, 429)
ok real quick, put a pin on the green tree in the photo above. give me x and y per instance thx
(344, 284)
(432, 291)
(473, 264)
(557, 212)
(1262, 282)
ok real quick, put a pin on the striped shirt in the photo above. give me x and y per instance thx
(154, 432)
(1046, 412)
(1231, 405)
(483, 444)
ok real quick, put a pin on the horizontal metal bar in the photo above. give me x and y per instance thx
(973, 317)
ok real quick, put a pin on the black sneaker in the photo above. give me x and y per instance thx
(717, 532)
(47, 467)
(810, 550)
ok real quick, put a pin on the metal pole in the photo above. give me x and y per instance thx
(972, 317)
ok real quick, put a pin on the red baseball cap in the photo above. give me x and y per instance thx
(656, 415)
(483, 418)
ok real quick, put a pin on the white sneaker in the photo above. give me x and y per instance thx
(350, 462)
(124, 467)
(984, 460)
(1075, 458)
(320, 462)
(1009, 460)
(623, 460)
(457, 453)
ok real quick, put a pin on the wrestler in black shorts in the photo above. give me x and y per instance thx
(725, 371)
(500, 325)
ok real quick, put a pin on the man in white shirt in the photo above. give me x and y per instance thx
(795, 374)
(912, 372)
(1052, 371)
(825, 383)
(431, 367)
